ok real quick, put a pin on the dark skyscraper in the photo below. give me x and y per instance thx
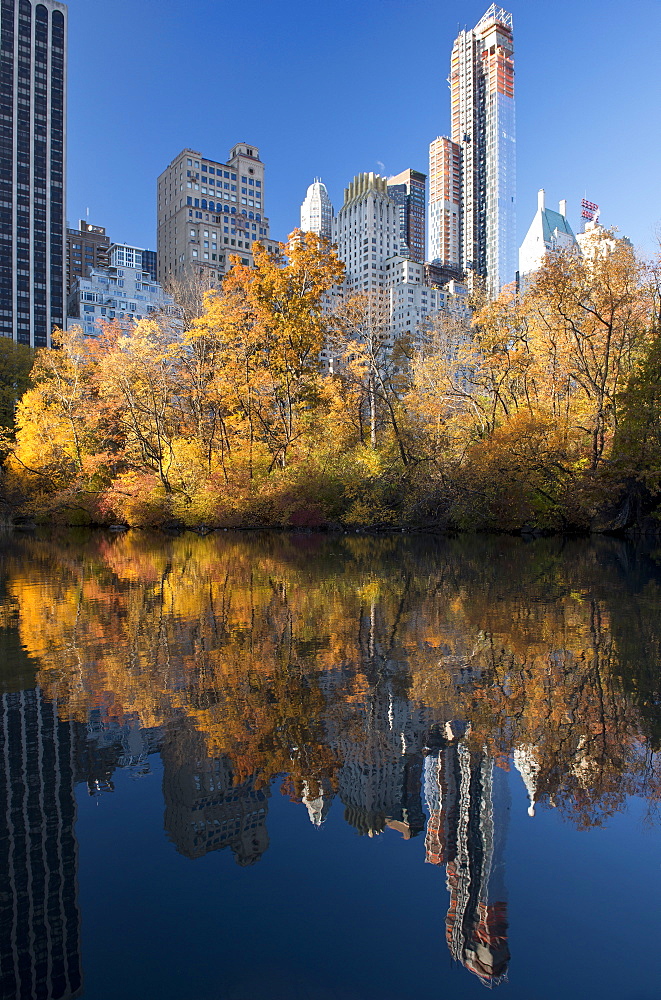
(409, 191)
(39, 916)
(87, 247)
(33, 41)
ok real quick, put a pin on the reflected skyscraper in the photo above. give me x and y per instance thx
(467, 800)
(380, 780)
(40, 941)
(205, 810)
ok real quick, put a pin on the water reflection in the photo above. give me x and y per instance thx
(206, 808)
(468, 807)
(40, 940)
(403, 678)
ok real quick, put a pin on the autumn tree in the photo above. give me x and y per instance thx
(188, 289)
(590, 314)
(54, 425)
(371, 364)
(257, 348)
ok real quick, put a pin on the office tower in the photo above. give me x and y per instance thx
(445, 204)
(317, 210)
(87, 247)
(367, 232)
(40, 942)
(32, 169)
(209, 211)
(483, 139)
(409, 191)
(124, 291)
(549, 232)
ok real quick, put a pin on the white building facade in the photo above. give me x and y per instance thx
(413, 303)
(366, 232)
(549, 232)
(124, 292)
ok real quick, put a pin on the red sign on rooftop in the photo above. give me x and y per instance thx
(589, 210)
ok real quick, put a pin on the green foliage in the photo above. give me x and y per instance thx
(637, 446)
(16, 362)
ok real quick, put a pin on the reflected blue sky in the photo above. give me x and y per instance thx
(329, 914)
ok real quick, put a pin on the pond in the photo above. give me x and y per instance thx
(311, 767)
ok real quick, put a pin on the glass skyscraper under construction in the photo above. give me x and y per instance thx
(475, 220)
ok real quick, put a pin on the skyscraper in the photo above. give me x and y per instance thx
(367, 232)
(408, 188)
(444, 202)
(208, 211)
(483, 142)
(317, 210)
(32, 169)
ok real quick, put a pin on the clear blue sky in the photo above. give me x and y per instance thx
(331, 88)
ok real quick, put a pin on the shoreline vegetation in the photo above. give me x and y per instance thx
(539, 414)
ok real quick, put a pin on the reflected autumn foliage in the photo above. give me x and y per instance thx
(299, 654)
